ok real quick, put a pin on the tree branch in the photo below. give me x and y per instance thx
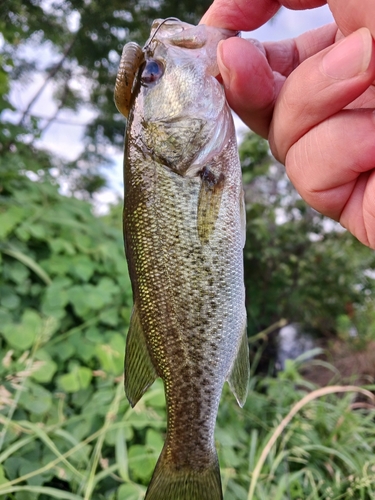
(50, 75)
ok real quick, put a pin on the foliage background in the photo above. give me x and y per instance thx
(65, 297)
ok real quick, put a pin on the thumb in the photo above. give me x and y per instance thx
(249, 82)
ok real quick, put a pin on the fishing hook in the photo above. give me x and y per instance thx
(145, 48)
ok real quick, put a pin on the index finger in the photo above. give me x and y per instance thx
(253, 78)
(352, 15)
(247, 15)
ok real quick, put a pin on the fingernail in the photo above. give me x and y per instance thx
(224, 71)
(350, 57)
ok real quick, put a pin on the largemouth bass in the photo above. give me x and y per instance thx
(184, 226)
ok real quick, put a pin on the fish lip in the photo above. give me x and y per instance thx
(175, 36)
(161, 23)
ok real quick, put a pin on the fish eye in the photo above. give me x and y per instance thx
(152, 71)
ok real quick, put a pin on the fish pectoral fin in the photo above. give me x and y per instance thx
(239, 374)
(140, 372)
(209, 202)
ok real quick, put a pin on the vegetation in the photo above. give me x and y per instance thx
(299, 265)
(66, 429)
(73, 47)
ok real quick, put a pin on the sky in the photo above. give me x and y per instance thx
(67, 140)
(291, 23)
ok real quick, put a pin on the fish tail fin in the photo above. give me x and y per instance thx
(170, 483)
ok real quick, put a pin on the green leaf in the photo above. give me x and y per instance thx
(69, 382)
(18, 272)
(23, 335)
(10, 218)
(111, 356)
(36, 480)
(38, 231)
(62, 351)
(47, 369)
(83, 242)
(94, 297)
(5, 316)
(130, 492)
(154, 440)
(229, 457)
(108, 288)
(126, 313)
(35, 399)
(59, 265)
(3, 478)
(84, 376)
(155, 396)
(83, 267)
(78, 299)
(93, 334)
(55, 299)
(110, 316)
(10, 301)
(122, 454)
(142, 461)
(43, 490)
(86, 298)
(99, 403)
(85, 350)
(79, 378)
(29, 262)
(59, 245)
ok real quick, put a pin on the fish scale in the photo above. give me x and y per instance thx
(183, 230)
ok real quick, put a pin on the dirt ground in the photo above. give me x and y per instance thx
(350, 365)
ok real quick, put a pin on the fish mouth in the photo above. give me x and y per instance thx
(172, 31)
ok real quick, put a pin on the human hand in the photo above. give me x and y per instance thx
(314, 99)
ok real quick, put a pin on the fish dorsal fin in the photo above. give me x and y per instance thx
(209, 202)
(239, 374)
(140, 372)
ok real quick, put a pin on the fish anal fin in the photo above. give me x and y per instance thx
(167, 483)
(140, 372)
(238, 378)
(209, 202)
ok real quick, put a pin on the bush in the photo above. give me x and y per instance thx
(68, 431)
(65, 303)
(326, 451)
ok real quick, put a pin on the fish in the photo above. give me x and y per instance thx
(184, 232)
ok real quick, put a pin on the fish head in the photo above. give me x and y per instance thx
(180, 112)
(201, 39)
